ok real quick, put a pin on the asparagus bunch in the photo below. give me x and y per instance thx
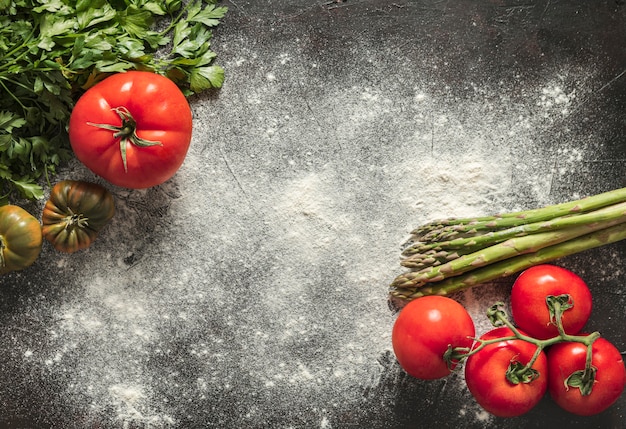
(454, 254)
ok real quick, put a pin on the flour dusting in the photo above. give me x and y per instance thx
(555, 98)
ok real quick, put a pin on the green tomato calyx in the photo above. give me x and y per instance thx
(126, 133)
(518, 373)
(583, 379)
(75, 220)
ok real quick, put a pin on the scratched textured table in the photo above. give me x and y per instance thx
(250, 291)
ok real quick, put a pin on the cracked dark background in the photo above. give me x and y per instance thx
(251, 289)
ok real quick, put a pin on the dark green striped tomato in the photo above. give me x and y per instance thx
(75, 214)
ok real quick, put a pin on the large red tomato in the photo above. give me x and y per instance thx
(528, 300)
(133, 129)
(566, 362)
(424, 330)
(498, 393)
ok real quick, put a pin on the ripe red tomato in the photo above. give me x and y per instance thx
(133, 129)
(607, 386)
(485, 375)
(424, 330)
(528, 300)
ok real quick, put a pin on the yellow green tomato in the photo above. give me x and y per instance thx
(20, 238)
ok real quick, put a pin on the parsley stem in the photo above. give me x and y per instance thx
(175, 20)
(8, 91)
(25, 44)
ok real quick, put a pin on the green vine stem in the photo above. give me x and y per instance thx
(582, 379)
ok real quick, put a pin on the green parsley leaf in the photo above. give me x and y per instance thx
(52, 51)
(9, 121)
(203, 78)
(29, 189)
(209, 16)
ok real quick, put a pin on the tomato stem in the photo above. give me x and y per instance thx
(516, 373)
(75, 220)
(127, 133)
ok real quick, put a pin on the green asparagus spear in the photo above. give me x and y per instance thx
(443, 229)
(514, 265)
(422, 253)
(492, 246)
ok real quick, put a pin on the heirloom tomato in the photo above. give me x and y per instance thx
(75, 213)
(493, 376)
(424, 330)
(528, 300)
(585, 392)
(20, 238)
(133, 129)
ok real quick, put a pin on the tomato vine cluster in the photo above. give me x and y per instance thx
(509, 369)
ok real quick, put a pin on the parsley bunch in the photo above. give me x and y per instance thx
(53, 50)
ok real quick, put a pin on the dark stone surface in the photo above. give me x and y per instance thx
(251, 289)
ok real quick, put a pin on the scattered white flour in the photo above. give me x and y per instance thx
(129, 403)
(555, 98)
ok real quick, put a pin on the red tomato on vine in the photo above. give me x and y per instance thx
(580, 391)
(495, 377)
(423, 332)
(133, 129)
(528, 300)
